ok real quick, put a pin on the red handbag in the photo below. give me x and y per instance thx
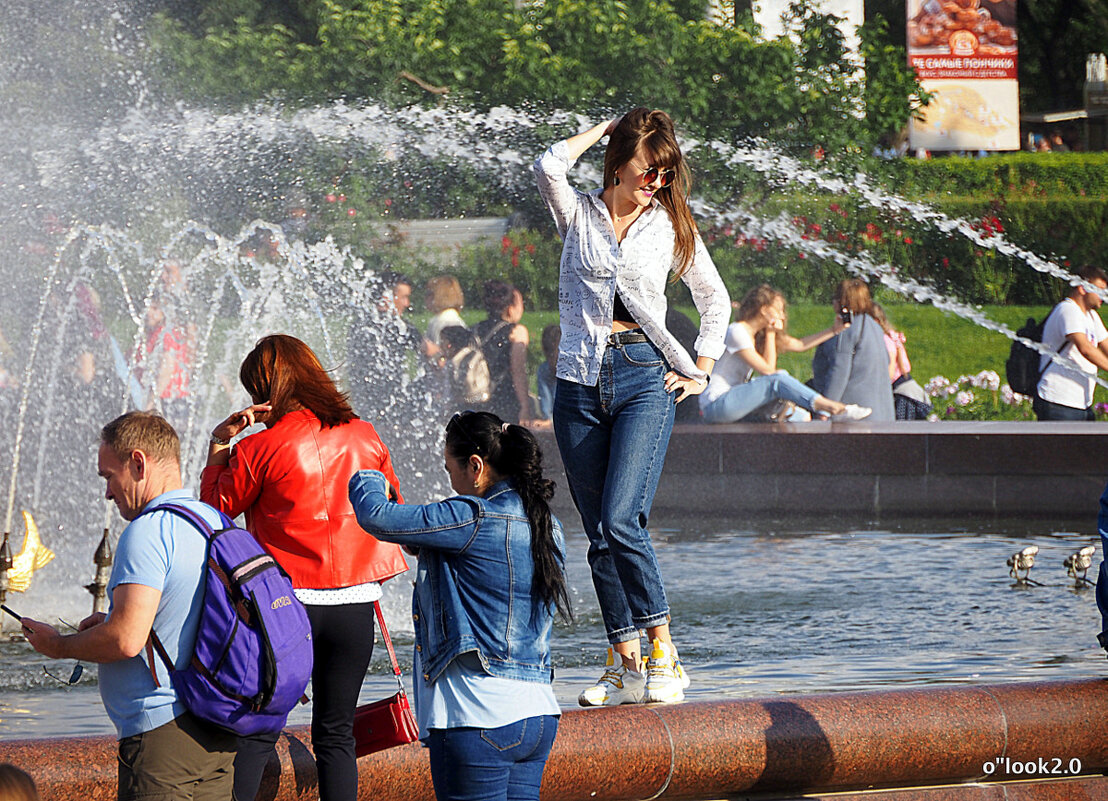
(388, 722)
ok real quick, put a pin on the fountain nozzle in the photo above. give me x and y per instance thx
(103, 561)
(1022, 562)
(1078, 563)
(5, 566)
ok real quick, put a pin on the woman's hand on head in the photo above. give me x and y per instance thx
(684, 386)
(612, 123)
(239, 421)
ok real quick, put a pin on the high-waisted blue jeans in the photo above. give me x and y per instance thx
(502, 764)
(613, 439)
(742, 399)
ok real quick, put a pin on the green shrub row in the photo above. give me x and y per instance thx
(1002, 176)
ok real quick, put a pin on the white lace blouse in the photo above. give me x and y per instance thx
(594, 264)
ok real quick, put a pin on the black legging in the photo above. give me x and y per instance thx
(342, 645)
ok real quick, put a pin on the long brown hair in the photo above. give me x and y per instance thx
(286, 373)
(853, 294)
(753, 301)
(653, 131)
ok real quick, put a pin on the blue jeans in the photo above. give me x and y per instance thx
(501, 764)
(613, 439)
(742, 399)
(1046, 410)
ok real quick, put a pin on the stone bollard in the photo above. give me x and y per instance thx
(103, 561)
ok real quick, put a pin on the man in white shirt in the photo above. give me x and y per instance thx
(1075, 331)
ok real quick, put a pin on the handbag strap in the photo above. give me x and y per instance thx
(388, 642)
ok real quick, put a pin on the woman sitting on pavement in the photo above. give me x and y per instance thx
(853, 366)
(290, 483)
(733, 395)
(491, 563)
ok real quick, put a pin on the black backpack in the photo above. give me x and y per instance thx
(1022, 368)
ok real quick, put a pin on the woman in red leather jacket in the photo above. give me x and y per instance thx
(289, 482)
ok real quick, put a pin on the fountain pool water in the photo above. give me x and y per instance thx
(764, 610)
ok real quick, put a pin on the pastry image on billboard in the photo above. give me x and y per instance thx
(969, 115)
(962, 27)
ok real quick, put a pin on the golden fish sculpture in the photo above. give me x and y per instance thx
(32, 556)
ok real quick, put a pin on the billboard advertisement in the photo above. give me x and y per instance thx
(966, 52)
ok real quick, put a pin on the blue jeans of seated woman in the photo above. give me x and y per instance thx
(501, 764)
(613, 439)
(742, 399)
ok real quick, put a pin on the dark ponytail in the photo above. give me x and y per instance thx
(513, 452)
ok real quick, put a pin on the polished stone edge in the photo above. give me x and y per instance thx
(908, 469)
(925, 743)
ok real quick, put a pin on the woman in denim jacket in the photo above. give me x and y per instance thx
(490, 576)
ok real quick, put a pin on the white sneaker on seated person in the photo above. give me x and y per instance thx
(852, 412)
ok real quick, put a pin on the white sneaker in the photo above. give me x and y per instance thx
(666, 679)
(852, 412)
(618, 685)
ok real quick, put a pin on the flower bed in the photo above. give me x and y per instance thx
(983, 397)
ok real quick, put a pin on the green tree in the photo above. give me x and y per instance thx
(568, 54)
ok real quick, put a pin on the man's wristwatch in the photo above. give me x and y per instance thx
(217, 441)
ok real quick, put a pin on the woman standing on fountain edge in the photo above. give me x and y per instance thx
(620, 371)
(290, 483)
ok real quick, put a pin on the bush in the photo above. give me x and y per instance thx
(1002, 176)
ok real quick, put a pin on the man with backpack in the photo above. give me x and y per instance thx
(1076, 333)
(157, 583)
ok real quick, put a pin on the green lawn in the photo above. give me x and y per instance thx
(938, 343)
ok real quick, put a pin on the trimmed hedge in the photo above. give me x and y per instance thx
(1002, 176)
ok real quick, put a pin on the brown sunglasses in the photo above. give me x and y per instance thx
(651, 174)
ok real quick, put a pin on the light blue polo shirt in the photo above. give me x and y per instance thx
(166, 552)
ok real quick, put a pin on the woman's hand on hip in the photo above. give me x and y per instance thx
(684, 386)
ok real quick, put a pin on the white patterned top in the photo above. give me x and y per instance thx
(358, 594)
(594, 264)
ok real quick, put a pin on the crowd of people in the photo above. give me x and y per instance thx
(317, 487)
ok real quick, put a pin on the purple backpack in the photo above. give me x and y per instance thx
(253, 653)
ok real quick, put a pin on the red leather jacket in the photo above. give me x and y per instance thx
(290, 481)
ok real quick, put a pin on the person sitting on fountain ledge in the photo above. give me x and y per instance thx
(157, 582)
(1076, 333)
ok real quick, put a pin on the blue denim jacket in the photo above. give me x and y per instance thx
(473, 580)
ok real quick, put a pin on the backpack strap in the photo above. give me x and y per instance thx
(495, 330)
(153, 642)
